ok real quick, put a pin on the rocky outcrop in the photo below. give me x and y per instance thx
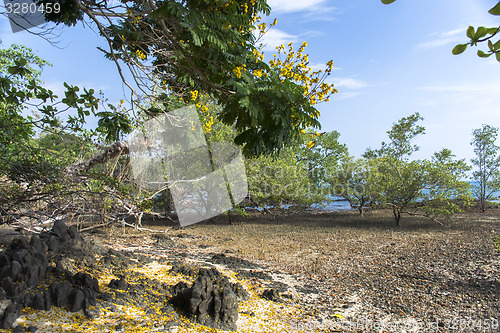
(29, 279)
(212, 300)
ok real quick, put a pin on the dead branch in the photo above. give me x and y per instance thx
(109, 153)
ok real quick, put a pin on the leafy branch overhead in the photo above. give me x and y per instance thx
(173, 48)
(479, 35)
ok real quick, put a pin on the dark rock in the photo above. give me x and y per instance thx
(92, 312)
(53, 243)
(41, 301)
(4, 260)
(22, 256)
(24, 267)
(74, 234)
(77, 300)
(64, 267)
(118, 284)
(279, 286)
(33, 275)
(19, 243)
(10, 315)
(15, 270)
(271, 295)
(210, 301)
(59, 228)
(61, 292)
(116, 259)
(86, 280)
(105, 296)
(233, 262)
(248, 274)
(38, 244)
(179, 268)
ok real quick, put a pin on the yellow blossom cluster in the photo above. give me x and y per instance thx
(294, 65)
(202, 101)
(311, 142)
(136, 21)
(239, 70)
(140, 54)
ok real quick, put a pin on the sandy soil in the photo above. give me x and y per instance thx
(334, 272)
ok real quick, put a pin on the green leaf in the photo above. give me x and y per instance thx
(470, 32)
(459, 49)
(482, 54)
(481, 32)
(498, 56)
(496, 46)
(493, 31)
(495, 10)
(386, 2)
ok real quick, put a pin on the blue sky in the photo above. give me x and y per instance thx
(390, 61)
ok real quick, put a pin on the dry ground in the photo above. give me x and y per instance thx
(371, 272)
(346, 273)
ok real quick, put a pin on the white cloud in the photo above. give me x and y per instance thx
(274, 38)
(485, 88)
(471, 102)
(348, 83)
(345, 95)
(443, 38)
(289, 6)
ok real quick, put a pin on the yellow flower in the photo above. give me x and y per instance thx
(237, 71)
(140, 54)
(310, 144)
(194, 95)
(257, 73)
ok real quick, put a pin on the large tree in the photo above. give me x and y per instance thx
(487, 162)
(174, 48)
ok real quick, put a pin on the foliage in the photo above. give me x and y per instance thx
(320, 153)
(36, 148)
(479, 35)
(487, 162)
(209, 46)
(278, 181)
(355, 181)
(496, 240)
(409, 187)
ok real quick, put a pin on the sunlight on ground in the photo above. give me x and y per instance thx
(255, 314)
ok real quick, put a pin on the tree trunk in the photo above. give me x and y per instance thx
(360, 208)
(397, 215)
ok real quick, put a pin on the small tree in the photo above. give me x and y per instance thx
(354, 181)
(274, 181)
(487, 162)
(419, 187)
(320, 153)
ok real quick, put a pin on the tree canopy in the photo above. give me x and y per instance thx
(487, 162)
(175, 48)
